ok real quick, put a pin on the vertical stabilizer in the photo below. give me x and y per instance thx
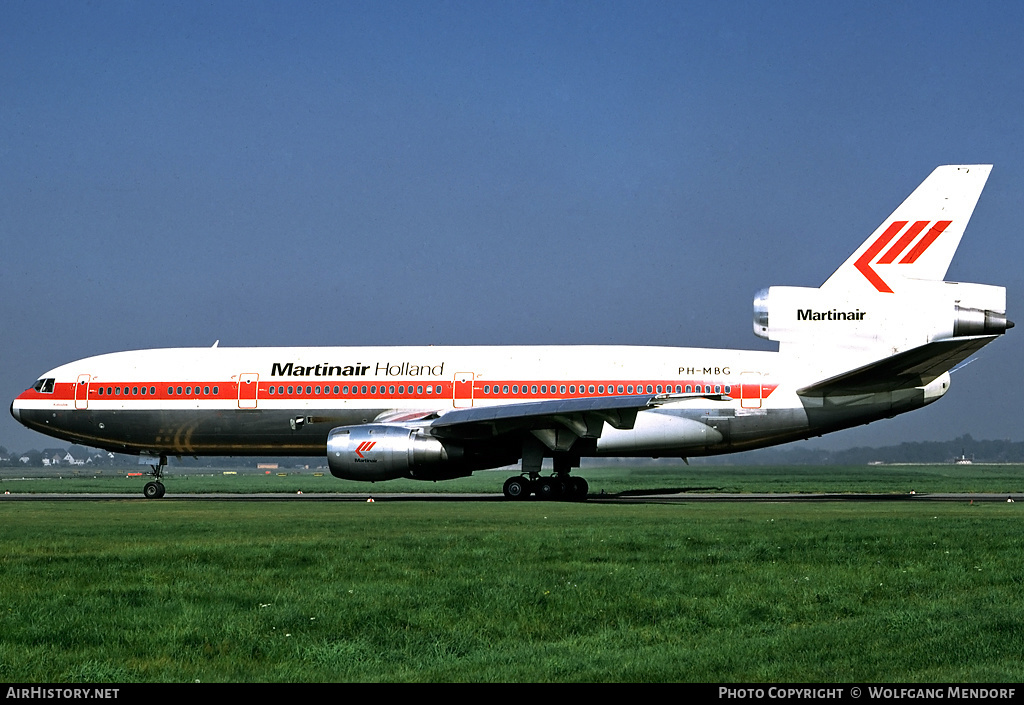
(919, 239)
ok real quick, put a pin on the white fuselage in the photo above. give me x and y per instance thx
(260, 401)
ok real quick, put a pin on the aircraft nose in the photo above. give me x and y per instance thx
(15, 411)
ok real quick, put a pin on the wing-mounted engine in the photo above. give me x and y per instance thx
(918, 313)
(373, 452)
(382, 451)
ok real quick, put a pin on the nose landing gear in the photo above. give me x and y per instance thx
(155, 489)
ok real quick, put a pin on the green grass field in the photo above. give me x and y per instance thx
(887, 479)
(152, 591)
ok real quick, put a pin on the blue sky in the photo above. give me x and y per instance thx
(355, 173)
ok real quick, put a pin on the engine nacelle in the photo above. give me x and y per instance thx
(375, 452)
(922, 311)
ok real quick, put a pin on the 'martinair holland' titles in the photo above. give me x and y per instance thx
(380, 369)
(806, 314)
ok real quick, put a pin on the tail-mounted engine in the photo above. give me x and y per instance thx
(384, 452)
(921, 312)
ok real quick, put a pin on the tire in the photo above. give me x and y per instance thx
(549, 488)
(516, 488)
(577, 489)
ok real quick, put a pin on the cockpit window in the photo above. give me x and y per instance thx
(44, 386)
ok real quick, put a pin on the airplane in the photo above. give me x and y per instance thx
(878, 338)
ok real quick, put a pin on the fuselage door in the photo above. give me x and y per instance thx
(750, 390)
(82, 392)
(462, 390)
(248, 384)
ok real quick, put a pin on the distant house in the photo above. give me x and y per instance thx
(71, 460)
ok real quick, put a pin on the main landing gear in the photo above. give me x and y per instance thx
(155, 489)
(564, 487)
(558, 486)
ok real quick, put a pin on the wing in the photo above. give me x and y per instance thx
(558, 422)
(912, 368)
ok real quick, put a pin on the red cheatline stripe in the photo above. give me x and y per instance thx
(901, 244)
(495, 390)
(863, 263)
(926, 242)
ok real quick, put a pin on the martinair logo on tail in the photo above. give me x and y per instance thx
(365, 447)
(864, 263)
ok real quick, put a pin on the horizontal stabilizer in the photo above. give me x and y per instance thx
(916, 367)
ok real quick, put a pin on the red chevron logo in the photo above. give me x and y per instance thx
(364, 447)
(864, 262)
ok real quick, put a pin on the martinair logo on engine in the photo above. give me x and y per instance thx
(864, 262)
(365, 447)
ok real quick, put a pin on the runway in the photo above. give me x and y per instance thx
(631, 497)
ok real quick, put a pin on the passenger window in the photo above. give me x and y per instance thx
(533, 389)
(504, 390)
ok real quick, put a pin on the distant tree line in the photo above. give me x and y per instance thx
(82, 458)
(978, 451)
